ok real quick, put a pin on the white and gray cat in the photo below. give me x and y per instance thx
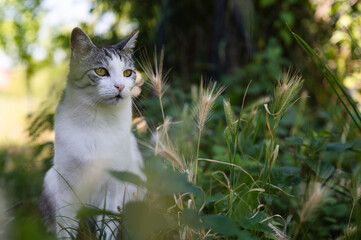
(92, 135)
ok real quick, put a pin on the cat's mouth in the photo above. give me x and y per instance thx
(117, 97)
(114, 100)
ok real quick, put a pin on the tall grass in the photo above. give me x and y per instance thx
(251, 176)
(284, 97)
(236, 196)
(336, 85)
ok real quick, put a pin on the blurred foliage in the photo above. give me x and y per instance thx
(235, 42)
(19, 25)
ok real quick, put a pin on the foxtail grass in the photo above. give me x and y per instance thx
(287, 88)
(156, 75)
(206, 99)
(315, 196)
(285, 93)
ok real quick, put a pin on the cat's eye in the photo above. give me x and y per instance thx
(101, 72)
(127, 73)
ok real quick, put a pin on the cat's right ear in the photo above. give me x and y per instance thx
(80, 43)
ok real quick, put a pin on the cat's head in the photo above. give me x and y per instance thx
(102, 74)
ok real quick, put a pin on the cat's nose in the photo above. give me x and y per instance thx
(120, 87)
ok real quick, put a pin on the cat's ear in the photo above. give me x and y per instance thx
(80, 42)
(128, 43)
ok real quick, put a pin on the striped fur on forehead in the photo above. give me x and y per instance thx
(109, 52)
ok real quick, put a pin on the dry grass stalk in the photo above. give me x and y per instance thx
(316, 196)
(155, 75)
(165, 148)
(350, 231)
(231, 164)
(207, 97)
(169, 153)
(278, 234)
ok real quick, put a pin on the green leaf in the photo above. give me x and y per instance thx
(254, 223)
(84, 212)
(190, 217)
(250, 221)
(341, 210)
(244, 234)
(295, 140)
(262, 227)
(282, 175)
(322, 169)
(141, 220)
(220, 224)
(128, 177)
(251, 198)
(165, 181)
(215, 197)
(337, 146)
(217, 223)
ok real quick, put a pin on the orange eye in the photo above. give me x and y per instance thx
(127, 73)
(101, 71)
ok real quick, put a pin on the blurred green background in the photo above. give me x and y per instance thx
(229, 41)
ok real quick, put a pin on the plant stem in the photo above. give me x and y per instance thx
(163, 116)
(161, 108)
(198, 144)
(297, 231)
(349, 219)
(269, 159)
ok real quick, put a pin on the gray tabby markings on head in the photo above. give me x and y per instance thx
(80, 43)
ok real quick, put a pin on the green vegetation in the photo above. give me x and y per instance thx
(263, 153)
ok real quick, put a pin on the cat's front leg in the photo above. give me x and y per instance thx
(112, 202)
(66, 222)
(68, 202)
(115, 199)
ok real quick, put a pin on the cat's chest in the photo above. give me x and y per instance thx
(108, 145)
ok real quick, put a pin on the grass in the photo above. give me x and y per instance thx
(335, 83)
(215, 173)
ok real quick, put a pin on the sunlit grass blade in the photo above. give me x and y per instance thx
(354, 43)
(335, 83)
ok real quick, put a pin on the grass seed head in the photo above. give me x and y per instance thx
(288, 86)
(278, 234)
(164, 146)
(356, 185)
(230, 118)
(316, 195)
(155, 73)
(350, 231)
(206, 99)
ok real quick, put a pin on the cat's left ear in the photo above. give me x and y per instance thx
(128, 43)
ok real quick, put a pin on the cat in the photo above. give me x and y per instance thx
(92, 136)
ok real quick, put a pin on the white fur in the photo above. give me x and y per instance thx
(91, 139)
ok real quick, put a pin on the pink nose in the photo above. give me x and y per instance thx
(120, 87)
